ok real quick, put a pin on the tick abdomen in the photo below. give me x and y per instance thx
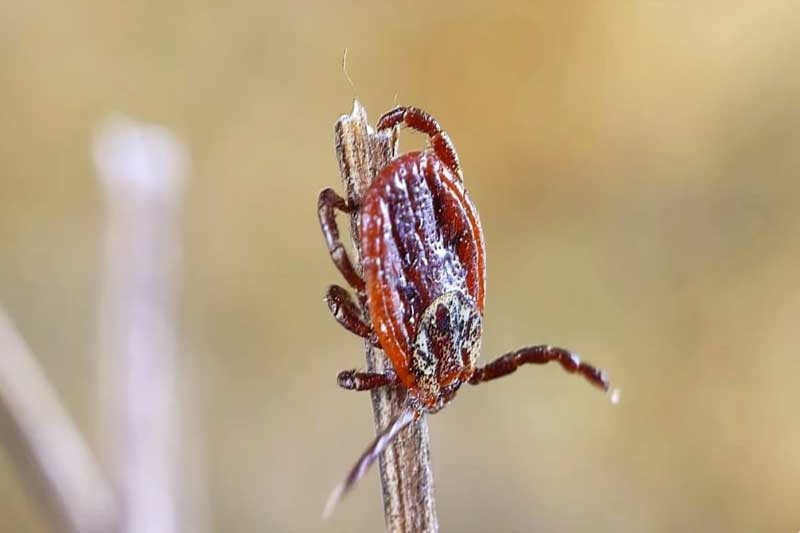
(425, 245)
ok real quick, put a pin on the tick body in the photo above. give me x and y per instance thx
(423, 262)
(424, 283)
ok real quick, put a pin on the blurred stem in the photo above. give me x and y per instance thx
(142, 169)
(47, 445)
(405, 466)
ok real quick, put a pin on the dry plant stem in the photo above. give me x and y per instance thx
(141, 167)
(48, 447)
(405, 466)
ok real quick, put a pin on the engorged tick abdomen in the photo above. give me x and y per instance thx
(420, 238)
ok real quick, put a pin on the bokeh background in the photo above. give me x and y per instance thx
(635, 166)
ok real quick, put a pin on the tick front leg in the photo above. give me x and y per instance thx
(539, 355)
(346, 313)
(328, 202)
(421, 121)
(354, 380)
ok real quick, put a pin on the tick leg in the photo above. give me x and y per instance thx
(354, 380)
(328, 202)
(421, 121)
(539, 355)
(347, 313)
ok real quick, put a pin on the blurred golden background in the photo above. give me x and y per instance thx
(635, 166)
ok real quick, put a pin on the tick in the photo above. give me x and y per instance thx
(424, 284)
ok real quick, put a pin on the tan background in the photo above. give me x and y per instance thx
(635, 166)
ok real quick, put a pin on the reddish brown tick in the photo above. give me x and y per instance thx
(424, 272)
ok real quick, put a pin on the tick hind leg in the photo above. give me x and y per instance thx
(327, 205)
(421, 121)
(539, 355)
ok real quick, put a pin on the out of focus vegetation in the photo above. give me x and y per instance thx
(636, 168)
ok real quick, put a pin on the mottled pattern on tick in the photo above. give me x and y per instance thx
(420, 238)
(446, 348)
